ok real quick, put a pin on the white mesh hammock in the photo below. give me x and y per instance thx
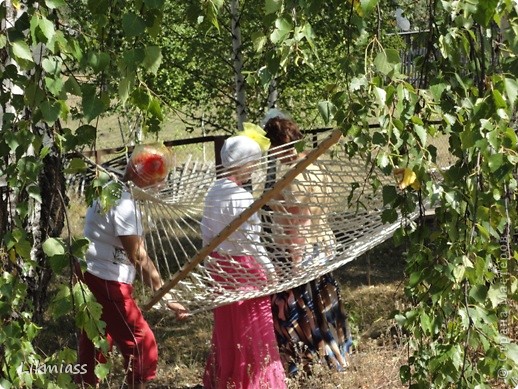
(341, 202)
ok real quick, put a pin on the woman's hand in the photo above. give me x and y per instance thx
(179, 310)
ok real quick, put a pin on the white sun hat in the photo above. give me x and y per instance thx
(239, 150)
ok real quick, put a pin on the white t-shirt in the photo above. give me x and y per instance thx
(224, 202)
(105, 257)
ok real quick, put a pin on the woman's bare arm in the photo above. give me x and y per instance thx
(137, 254)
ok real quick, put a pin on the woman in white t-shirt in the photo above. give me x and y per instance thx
(116, 252)
(244, 353)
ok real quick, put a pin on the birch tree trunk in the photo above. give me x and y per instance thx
(273, 95)
(238, 64)
(46, 205)
(46, 220)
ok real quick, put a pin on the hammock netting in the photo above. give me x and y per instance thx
(339, 219)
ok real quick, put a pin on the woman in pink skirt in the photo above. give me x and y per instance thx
(244, 353)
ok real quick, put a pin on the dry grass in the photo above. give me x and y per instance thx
(378, 351)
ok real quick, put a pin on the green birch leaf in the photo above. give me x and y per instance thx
(51, 65)
(54, 86)
(131, 59)
(23, 248)
(357, 83)
(99, 61)
(381, 63)
(493, 137)
(512, 352)
(152, 59)
(511, 90)
(76, 165)
(405, 373)
(417, 120)
(392, 56)
(309, 34)
(382, 160)
(282, 29)
(47, 28)
(72, 86)
(141, 99)
(133, 25)
(86, 134)
(498, 99)
(86, 321)
(485, 12)
(381, 96)
(154, 23)
(483, 231)
(124, 89)
(389, 216)
(34, 192)
(510, 138)
(79, 247)
(58, 263)
(379, 138)
(54, 4)
(421, 133)
(50, 111)
(437, 91)
(102, 370)
(497, 294)
(426, 323)
(414, 278)
(22, 51)
(53, 246)
(389, 194)
(272, 6)
(458, 273)
(61, 304)
(326, 109)
(469, 138)
(155, 109)
(110, 194)
(495, 161)
(93, 106)
(259, 41)
(455, 356)
(368, 6)
(449, 119)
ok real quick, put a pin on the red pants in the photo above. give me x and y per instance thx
(126, 327)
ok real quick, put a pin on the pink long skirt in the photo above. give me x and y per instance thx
(244, 352)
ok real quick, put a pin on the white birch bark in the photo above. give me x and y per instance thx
(273, 95)
(238, 64)
(45, 214)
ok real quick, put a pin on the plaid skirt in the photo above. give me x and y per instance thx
(311, 325)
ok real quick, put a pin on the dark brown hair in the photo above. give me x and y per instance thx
(281, 131)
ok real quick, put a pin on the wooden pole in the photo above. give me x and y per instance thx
(247, 213)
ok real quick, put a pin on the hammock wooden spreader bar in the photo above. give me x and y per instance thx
(245, 215)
